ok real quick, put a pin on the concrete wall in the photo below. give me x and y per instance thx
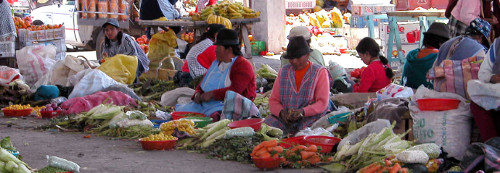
(271, 27)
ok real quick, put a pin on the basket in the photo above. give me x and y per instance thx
(267, 163)
(179, 115)
(435, 104)
(7, 49)
(257, 47)
(17, 113)
(325, 142)
(50, 114)
(254, 123)
(289, 142)
(158, 145)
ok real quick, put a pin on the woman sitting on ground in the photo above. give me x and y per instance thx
(230, 71)
(117, 42)
(378, 74)
(300, 94)
(419, 61)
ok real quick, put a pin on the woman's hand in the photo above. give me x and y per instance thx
(495, 78)
(290, 116)
(197, 98)
(205, 97)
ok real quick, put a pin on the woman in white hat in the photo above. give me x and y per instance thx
(315, 56)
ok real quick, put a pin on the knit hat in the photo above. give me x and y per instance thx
(299, 31)
(111, 21)
(439, 29)
(227, 37)
(479, 27)
(297, 47)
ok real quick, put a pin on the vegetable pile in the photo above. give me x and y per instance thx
(152, 89)
(236, 148)
(387, 166)
(8, 162)
(183, 125)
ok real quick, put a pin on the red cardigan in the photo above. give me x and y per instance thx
(372, 79)
(242, 78)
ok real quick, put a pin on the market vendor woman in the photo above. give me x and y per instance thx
(117, 42)
(230, 71)
(300, 93)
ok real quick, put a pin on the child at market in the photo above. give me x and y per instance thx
(378, 74)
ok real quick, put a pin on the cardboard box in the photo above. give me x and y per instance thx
(361, 9)
(409, 32)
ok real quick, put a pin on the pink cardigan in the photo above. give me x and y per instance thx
(467, 10)
(321, 96)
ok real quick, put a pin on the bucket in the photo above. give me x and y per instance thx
(257, 47)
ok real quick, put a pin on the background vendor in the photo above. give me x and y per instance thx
(315, 56)
(117, 42)
(300, 93)
(230, 71)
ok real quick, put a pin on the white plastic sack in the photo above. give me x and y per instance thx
(89, 81)
(448, 129)
(320, 131)
(394, 91)
(35, 61)
(135, 122)
(486, 95)
(170, 98)
(66, 68)
(61, 163)
(8, 75)
(363, 132)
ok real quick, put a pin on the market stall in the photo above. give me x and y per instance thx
(240, 25)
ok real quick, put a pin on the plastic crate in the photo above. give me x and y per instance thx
(7, 49)
(257, 47)
(59, 33)
(10, 38)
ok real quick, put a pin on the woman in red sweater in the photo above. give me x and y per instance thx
(378, 74)
(230, 71)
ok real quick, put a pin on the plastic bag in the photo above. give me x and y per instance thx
(90, 81)
(136, 115)
(323, 121)
(363, 132)
(61, 163)
(486, 95)
(35, 61)
(121, 68)
(394, 91)
(64, 69)
(448, 129)
(163, 115)
(125, 123)
(8, 75)
(242, 131)
(316, 132)
(413, 156)
(124, 89)
(162, 45)
(170, 98)
(84, 104)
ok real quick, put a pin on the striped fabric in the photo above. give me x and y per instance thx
(457, 28)
(238, 107)
(453, 75)
(292, 99)
(7, 27)
(482, 156)
(195, 68)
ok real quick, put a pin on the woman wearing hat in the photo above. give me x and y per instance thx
(419, 61)
(201, 55)
(230, 71)
(378, 74)
(315, 56)
(117, 42)
(300, 94)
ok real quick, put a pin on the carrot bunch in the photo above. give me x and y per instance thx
(267, 149)
(302, 156)
(387, 166)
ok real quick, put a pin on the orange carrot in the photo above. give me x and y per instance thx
(278, 149)
(264, 155)
(306, 154)
(270, 143)
(298, 147)
(373, 169)
(312, 148)
(404, 170)
(395, 168)
(388, 163)
(314, 159)
(261, 151)
(362, 170)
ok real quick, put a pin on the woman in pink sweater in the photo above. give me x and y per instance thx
(378, 74)
(300, 94)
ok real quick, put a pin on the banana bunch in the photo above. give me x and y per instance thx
(215, 19)
(234, 11)
(206, 12)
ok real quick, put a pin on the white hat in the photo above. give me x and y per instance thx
(299, 31)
